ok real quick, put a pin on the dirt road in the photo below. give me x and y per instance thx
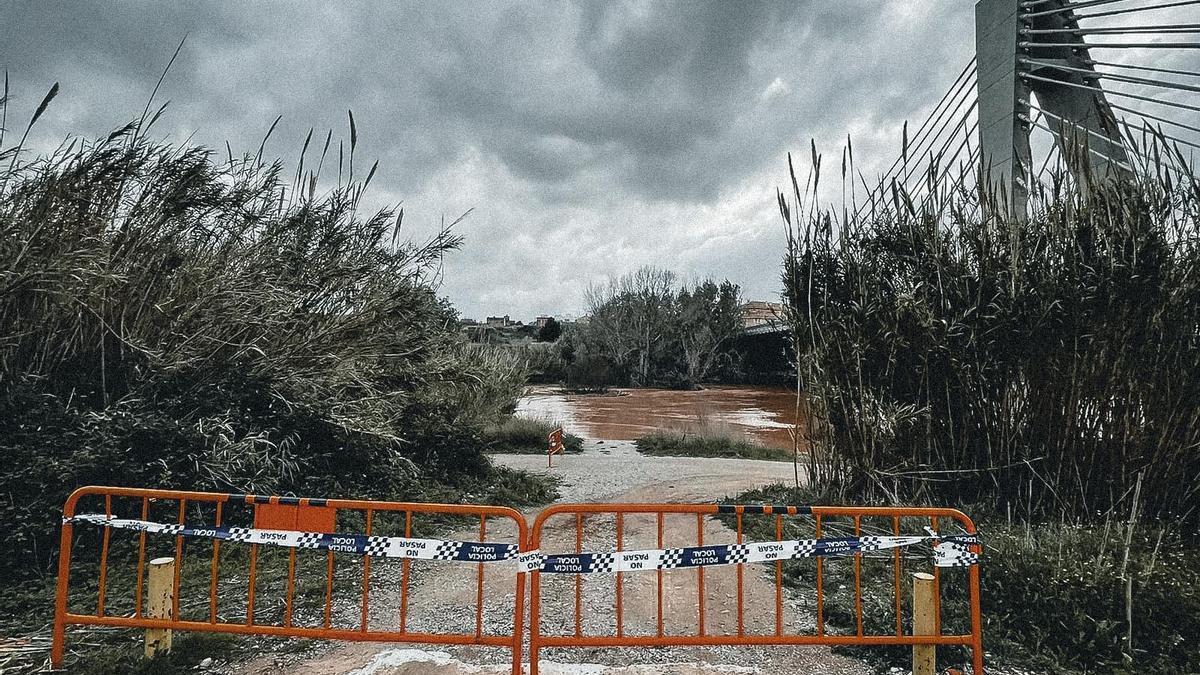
(443, 597)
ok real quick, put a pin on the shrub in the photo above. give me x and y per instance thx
(681, 444)
(524, 436)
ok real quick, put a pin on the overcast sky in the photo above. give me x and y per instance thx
(589, 138)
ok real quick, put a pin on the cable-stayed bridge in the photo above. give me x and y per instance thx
(1089, 91)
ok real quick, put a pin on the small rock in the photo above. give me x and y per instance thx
(207, 662)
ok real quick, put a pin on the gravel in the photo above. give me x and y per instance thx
(607, 470)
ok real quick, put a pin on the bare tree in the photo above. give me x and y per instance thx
(709, 318)
(632, 316)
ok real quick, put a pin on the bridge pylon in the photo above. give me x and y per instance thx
(1034, 48)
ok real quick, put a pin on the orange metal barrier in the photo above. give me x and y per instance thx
(272, 513)
(823, 517)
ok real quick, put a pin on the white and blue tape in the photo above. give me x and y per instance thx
(374, 546)
(949, 551)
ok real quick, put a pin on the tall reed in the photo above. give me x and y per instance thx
(173, 317)
(950, 353)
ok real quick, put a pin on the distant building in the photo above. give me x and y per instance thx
(543, 320)
(499, 321)
(761, 313)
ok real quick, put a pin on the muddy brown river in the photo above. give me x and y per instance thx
(760, 415)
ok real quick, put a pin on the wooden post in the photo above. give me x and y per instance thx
(158, 605)
(924, 623)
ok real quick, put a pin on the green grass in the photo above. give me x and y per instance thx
(1052, 594)
(678, 444)
(523, 436)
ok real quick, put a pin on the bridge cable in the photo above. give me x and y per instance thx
(1053, 151)
(1115, 12)
(1165, 29)
(940, 153)
(1169, 71)
(950, 164)
(925, 135)
(1093, 133)
(953, 94)
(1094, 3)
(1153, 117)
(1131, 147)
(1111, 45)
(1173, 104)
(1166, 84)
(917, 153)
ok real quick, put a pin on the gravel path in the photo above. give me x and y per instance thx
(609, 470)
(443, 596)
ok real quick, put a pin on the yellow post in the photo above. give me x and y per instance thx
(158, 605)
(924, 623)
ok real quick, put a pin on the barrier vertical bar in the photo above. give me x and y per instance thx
(212, 583)
(518, 636)
(328, 619)
(141, 565)
(741, 618)
(178, 562)
(578, 579)
(896, 574)
(976, 617)
(779, 578)
(290, 592)
(479, 580)
(366, 563)
(937, 587)
(404, 576)
(620, 547)
(58, 642)
(659, 573)
(820, 588)
(104, 558)
(251, 583)
(858, 601)
(700, 576)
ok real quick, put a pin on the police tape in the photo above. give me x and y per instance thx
(949, 551)
(361, 544)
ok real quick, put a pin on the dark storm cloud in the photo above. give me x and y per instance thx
(575, 128)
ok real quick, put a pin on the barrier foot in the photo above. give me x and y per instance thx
(158, 605)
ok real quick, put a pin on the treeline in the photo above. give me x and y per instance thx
(648, 329)
(173, 319)
(1049, 367)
